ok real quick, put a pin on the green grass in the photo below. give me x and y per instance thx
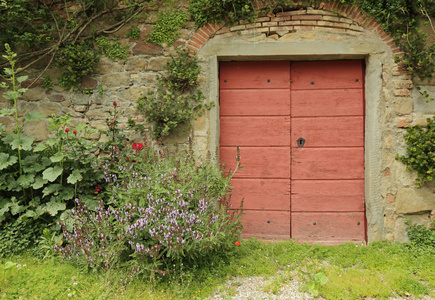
(380, 270)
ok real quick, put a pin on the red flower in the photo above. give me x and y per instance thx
(67, 130)
(137, 146)
(133, 160)
(114, 103)
(75, 131)
(237, 243)
(97, 189)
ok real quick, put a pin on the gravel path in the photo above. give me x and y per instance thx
(259, 288)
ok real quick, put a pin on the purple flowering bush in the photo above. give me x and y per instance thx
(165, 208)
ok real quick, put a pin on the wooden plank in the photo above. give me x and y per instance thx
(254, 75)
(328, 163)
(327, 195)
(329, 228)
(254, 102)
(268, 225)
(261, 193)
(315, 75)
(328, 131)
(255, 131)
(258, 162)
(317, 103)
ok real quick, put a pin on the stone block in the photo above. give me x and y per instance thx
(50, 108)
(157, 63)
(80, 99)
(404, 105)
(135, 64)
(413, 200)
(34, 94)
(98, 114)
(89, 83)
(36, 129)
(56, 98)
(142, 48)
(116, 79)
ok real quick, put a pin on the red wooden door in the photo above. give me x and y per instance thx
(314, 192)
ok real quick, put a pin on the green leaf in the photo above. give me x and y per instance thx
(40, 147)
(39, 183)
(22, 78)
(34, 116)
(51, 189)
(24, 143)
(6, 160)
(7, 112)
(16, 208)
(74, 177)
(53, 207)
(9, 265)
(26, 180)
(59, 156)
(52, 173)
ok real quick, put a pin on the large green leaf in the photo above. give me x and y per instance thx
(52, 173)
(51, 189)
(22, 78)
(6, 112)
(59, 156)
(39, 183)
(53, 207)
(17, 208)
(74, 177)
(24, 142)
(26, 180)
(7, 160)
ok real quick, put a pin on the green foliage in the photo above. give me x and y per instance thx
(76, 60)
(112, 49)
(421, 151)
(17, 236)
(167, 209)
(168, 107)
(47, 84)
(314, 276)
(215, 11)
(133, 33)
(421, 237)
(181, 71)
(167, 27)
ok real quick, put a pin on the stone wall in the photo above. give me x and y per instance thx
(332, 32)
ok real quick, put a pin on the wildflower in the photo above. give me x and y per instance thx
(114, 103)
(237, 243)
(74, 131)
(97, 189)
(67, 130)
(137, 146)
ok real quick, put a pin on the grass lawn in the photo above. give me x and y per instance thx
(380, 270)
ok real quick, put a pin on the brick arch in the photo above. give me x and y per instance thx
(331, 17)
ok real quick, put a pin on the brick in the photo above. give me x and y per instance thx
(290, 23)
(198, 39)
(307, 17)
(325, 23)
(292, 13)
(346, 20)
(320, 12)
(238, 27)
(303, 27)
(268, 24)
(278, 19)
(353, 12)
(309, 23)
(274, 29)
(206, 30)
(341, 25)
(195, 44)
(355, 27)
(223, 30)
(212, 27)
(402, 92)
(403, 84)
(192, 49)
(262, 19)
(332, 19)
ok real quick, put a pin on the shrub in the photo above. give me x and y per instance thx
(167, 27)
(170, 208)
(421, 237)
(421, 151)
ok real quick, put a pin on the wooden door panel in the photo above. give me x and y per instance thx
(258, 162)
(316, 75)
(255, 131)
(254, 75)
(327, 195)
(329, 131)
(328, 163)
(261, 194)
(255, 102)
(329, 227)
(266, 224)
(318, 103)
